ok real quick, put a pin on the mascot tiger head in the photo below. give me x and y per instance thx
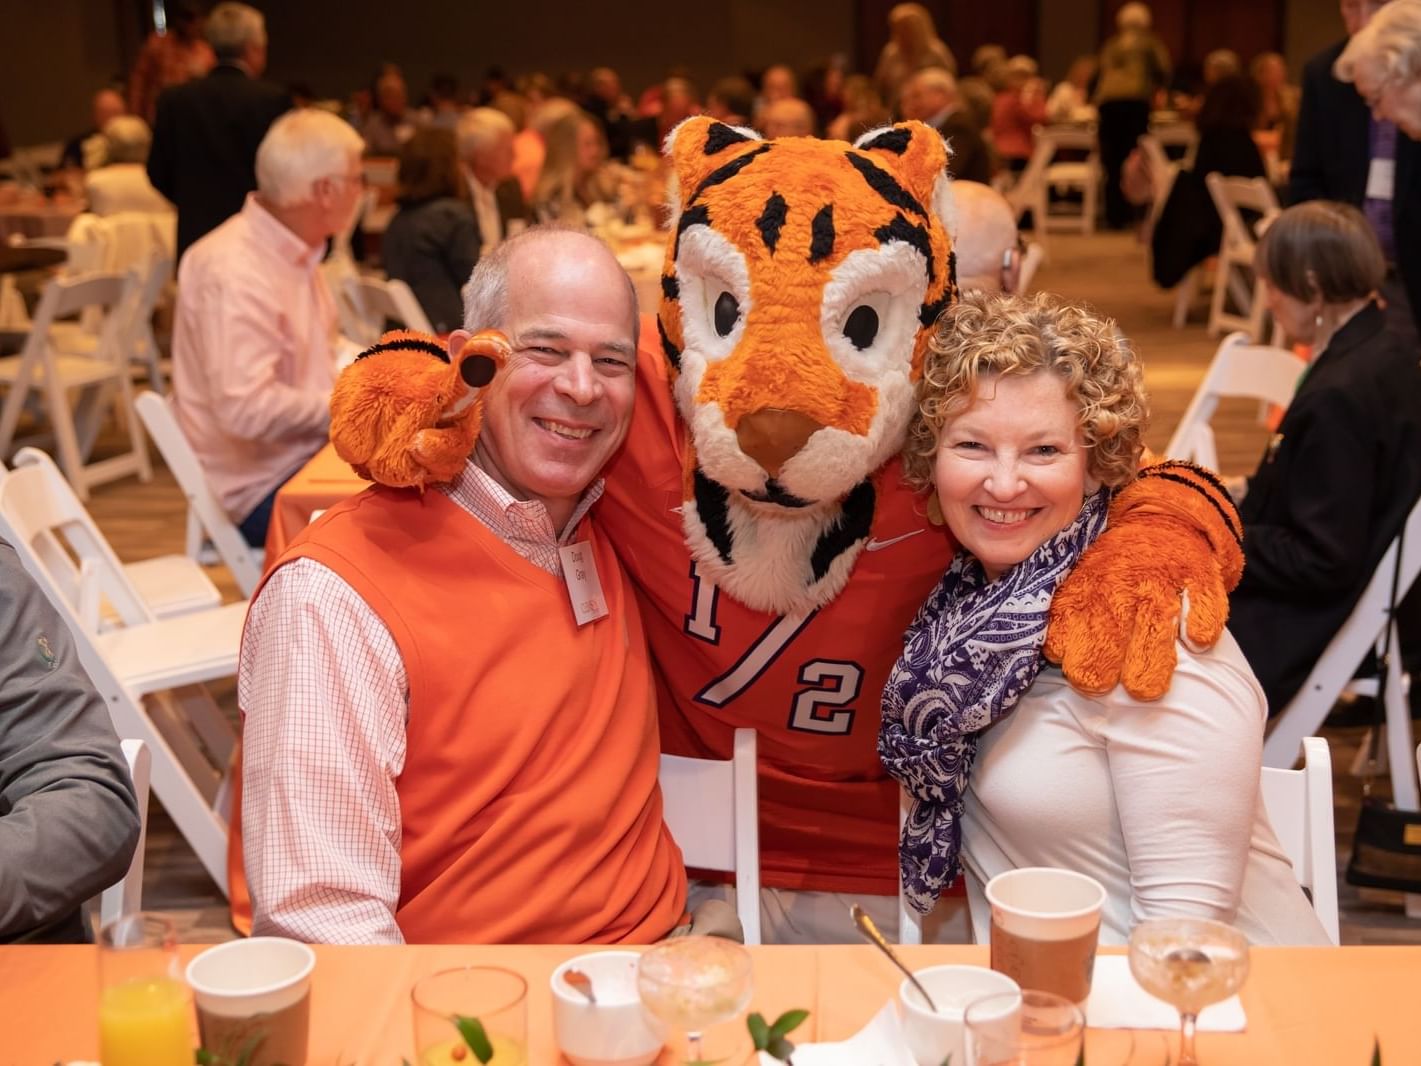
(800, 289)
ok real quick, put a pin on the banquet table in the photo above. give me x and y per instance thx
(41, 219)
(324, 480)
(15, 259)
(1304, 1005)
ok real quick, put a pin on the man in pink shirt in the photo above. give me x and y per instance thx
(254, 340)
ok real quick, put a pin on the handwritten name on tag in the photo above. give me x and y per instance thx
(584, 587)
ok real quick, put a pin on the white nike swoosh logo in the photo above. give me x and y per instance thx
(675, 510)
(879, 545)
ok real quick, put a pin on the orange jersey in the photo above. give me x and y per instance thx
(809, 685)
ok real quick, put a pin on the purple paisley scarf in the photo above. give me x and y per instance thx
(971, 653)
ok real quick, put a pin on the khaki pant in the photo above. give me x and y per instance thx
(792, 917)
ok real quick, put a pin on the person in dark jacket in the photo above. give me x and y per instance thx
(1339, 147)
(206, 132)
(432, 243)
(1342, 473)
(1189, 229)
(68, 818)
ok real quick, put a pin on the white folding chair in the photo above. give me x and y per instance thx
(79, 556)
(101, 378)
(204, 512)
(1240, 369)
(1181, 135)
(1236, 276)
(126, 896)
(378, 302)
(1032, 192)
(1364, 631)
(712, 808)
(1030, 264)
(1299, 806)
(148, 671)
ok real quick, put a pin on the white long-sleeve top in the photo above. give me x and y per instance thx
(1160, 802)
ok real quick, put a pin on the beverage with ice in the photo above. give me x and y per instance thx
(694, 983)
(1189, 963)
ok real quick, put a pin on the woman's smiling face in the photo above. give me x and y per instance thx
(1011, 468)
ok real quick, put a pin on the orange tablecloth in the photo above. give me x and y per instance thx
(325, 480)
(1305, 1005)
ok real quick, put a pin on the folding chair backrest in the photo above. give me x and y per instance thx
(1162, 169)
(39, 507)
(1242, 370)
(162, 425)
(1299, 806)
(712, 809)
(1349, 647)
(1232, 196)
(383, 301)
(126, 896)
(1023, 194)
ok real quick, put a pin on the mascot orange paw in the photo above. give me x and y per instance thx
(406, 413)
(1172, 534)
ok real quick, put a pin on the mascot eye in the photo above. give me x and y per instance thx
(727, 313)
(861, 327)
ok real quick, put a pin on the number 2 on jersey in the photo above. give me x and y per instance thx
(823, 708)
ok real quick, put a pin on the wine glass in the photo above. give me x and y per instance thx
(693, 983)
(1189, 963)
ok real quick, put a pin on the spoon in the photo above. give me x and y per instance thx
(870, 932)
(580, 981)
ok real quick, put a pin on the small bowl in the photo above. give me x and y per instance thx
(934, 1036)
(615, 1031)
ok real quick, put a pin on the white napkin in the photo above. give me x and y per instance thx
(879, 1043)
(1118, 1002)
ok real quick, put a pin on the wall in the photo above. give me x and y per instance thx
(1307, 30)
(56, 54)
(320, 42)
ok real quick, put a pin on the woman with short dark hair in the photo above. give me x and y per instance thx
(432, 243)
(1344, 469)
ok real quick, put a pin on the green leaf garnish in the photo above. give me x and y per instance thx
(775, 1038)
(472, 1030)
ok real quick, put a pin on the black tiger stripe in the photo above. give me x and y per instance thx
(772, 220)
(670, 287)
(1203, 472)
(822, 235)
(673, 353)
(900, 229)
(728, 171)
(952, 270)
(854, 523)
(692, 216)
(886, 185)
(713, 507)
(1179, 479)
(929, 312)
(895, 141)
(407, 344)
(720, 137)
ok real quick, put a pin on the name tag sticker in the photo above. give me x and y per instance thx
(1381, 179)
(584, 587)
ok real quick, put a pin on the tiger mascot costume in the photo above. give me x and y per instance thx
(758, 506)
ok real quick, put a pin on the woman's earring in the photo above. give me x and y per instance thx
(935, 511)
(1317, 321)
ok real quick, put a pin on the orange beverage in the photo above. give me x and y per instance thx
(145, 1022)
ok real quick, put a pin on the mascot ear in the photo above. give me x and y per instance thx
(917, 156)
(700, 146)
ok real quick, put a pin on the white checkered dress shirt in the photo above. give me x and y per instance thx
(325, 698)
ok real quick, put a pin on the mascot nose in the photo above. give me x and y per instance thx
(477, 371)
(772, 437)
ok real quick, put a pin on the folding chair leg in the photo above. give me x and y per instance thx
(1400, 745)
(136, 439)
(1185, 297)
(194, 704)
(71, 457)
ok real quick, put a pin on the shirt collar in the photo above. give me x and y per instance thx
(475, 482)
(279, 240)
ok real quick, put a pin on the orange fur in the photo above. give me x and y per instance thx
(1172, 530)
(390, 409)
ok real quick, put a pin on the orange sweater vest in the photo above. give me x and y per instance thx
(529, 800)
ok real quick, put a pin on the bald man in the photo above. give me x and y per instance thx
(986, 240)
(790, 117)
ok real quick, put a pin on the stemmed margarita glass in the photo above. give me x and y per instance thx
(1189, 963)
(693, 983)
